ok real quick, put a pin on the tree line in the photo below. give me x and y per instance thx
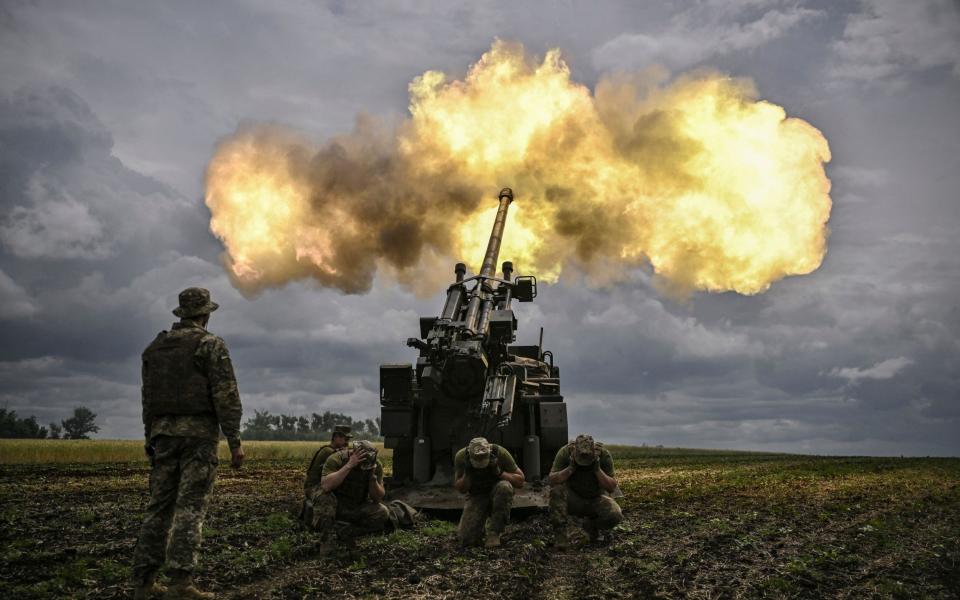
(317, 427)
(77, 427)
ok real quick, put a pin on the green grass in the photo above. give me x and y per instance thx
(35, 452)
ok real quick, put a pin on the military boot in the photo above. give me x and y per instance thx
(182, 588)
(149, 590)
(590, 527)
(492, 541)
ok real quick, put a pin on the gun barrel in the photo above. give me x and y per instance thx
(489, 267)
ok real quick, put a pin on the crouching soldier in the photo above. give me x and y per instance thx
(351, 490)
(311, 486)
(488, 474)
(582, 481)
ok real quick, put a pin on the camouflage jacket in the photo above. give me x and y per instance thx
(213, 360)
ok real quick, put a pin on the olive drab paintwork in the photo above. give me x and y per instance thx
(172, 382)
(471, 380)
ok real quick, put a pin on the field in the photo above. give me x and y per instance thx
(699, 524)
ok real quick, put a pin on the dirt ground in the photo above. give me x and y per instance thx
(698, 524)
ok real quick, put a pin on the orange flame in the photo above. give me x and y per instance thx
(717, 190)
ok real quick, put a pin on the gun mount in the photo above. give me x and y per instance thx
(469, 381)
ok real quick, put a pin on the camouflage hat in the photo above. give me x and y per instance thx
(343, 430)
(584, 450)
(370, 449)
(195, 302)
(478, 451)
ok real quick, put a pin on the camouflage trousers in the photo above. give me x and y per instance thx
(327, 509)
(495, 505)
(182, 476)
(602, 511)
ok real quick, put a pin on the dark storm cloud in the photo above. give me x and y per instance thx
(109, 113)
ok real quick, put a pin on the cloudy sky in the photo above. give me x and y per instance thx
(110, 111)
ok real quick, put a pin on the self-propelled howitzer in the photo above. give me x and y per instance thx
(469, 381)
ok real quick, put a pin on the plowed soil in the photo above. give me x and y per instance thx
(698, 524)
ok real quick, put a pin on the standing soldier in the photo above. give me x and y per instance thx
(311, 486)
(488, 474)
(189, 396)
(351, 490)
(581, 481)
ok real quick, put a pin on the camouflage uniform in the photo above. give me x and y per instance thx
(581, 495)
(184, 446)
(311, 485)
(488, 496)
(351, 502)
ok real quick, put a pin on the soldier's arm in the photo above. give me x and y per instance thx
(460, 481)
(314, 471)
(334, 472)
(147, 417)
(604, 472)
(376, 483)
(562, 467)
(223, 389)
(510, 472)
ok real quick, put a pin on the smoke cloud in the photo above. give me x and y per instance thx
(713, 188)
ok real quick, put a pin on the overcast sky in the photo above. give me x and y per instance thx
(109, 112)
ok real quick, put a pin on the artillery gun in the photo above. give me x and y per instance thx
(469, 381)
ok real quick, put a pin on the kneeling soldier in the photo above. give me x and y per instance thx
(311, 485)
(352, 490)
(581, 481)
(487, 474)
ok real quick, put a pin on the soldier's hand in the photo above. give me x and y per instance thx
(236, 457)
(356, 457)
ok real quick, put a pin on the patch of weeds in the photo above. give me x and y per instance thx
(357, 565)
(778, 584)
(282, 548)
(439, 529)
(278, 521)
(890, 588)
(720, 526)
(112, 571)
(403, 539)
(86, 517)
(72, 574)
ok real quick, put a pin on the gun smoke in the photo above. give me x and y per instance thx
(713, 188)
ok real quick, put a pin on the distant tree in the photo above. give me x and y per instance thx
(303, 425)
(316, 427)
(327, 421)
(80, 425)
(13, 427)
(260, 421)
(55, 431)
(372, 428)
(379, 427)
(288, 423)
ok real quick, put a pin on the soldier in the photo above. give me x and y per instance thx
(351, 490)
(311, 486)
(488, 474)
(581, 481)
(189, 395)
